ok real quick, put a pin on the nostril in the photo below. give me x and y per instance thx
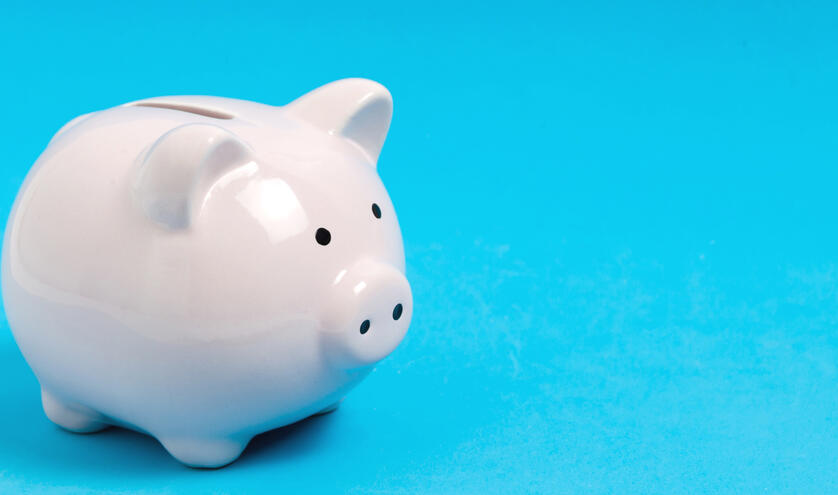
(397, 311)
(365, 327)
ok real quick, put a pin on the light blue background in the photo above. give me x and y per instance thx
(620, 226)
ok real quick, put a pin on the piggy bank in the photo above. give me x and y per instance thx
(205, 269)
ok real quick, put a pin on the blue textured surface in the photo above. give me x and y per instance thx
(620, 225)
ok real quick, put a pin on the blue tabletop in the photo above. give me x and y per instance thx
(619, 222)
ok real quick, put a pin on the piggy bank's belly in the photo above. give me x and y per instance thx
(155, 330)
(92, 358)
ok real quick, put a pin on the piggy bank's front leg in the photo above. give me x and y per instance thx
(204, 452)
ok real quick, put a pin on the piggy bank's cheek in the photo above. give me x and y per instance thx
(368, 315)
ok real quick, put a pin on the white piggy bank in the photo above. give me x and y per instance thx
(205, 269)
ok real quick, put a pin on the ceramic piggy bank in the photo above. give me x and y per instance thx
(205, 269)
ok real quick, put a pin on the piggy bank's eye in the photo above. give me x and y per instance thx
(323, 236)
(376, 211)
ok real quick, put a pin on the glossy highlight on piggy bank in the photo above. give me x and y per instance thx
(205, 269)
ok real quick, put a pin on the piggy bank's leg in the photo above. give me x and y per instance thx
(204, 452)
(73, 417)
(329, 408)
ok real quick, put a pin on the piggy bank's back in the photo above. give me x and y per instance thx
(165, 265)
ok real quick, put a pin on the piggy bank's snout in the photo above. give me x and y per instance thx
(368, 315)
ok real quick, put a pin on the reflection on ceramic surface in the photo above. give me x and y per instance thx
(204, 269)
(275, 200)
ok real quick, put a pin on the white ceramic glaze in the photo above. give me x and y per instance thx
(162, 268)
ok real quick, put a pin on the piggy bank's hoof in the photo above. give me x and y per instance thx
(204, 453)
(72, 417)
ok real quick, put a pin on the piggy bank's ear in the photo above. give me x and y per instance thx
(357, 109)
(179, 169)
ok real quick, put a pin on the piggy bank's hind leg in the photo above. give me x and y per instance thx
(204, 452)
(72, 417)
